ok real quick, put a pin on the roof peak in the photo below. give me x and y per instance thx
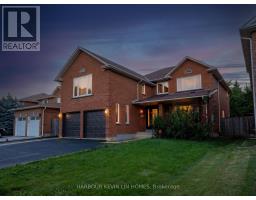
(108, 65)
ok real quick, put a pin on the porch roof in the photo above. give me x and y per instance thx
(175, 96)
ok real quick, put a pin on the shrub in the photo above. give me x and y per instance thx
(181, 124)
(158, 126)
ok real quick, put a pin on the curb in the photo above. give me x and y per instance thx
(22, 139)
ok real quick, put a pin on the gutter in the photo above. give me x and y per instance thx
(178, 98)
(42, 128)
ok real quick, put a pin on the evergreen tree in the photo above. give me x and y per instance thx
(6, 114)
(241, 101)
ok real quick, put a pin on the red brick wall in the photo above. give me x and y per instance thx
(100, 86)
(149, 91)
(108, 88)
(49, 114)
(208, 81)
(123, 91)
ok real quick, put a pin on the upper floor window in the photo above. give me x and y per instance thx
(162, 87)
(45, 101)
(143, 89)
(189, 83)
(82, 86)
(58, 100)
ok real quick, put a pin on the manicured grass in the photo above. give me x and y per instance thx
(147, 167)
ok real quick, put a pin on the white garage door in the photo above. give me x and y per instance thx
(20, 126)
(33, 126)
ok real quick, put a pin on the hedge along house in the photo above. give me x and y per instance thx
(38, 115)
(102, 99)
(248, 39)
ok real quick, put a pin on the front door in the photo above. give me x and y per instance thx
(151, 114)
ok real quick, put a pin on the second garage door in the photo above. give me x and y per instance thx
(71, 125)
(94, 124)
(33, 126)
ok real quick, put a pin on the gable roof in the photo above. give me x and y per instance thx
(108, 64)
(209, 68)
(193, 60)
(159, 74)
(36, 97)
(165, 74)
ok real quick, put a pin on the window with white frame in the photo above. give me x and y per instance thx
(189, 83)
(127, 114)
(82, 86)
(143, 89)
(117, 113)
(58, 100)
(162, 87)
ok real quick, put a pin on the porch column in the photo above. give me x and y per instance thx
(161, 110)
(205, 112)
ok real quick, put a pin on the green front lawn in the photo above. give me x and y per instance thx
(146, 167)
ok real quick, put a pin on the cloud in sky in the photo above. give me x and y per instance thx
(141, 37)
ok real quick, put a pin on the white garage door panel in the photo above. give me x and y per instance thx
(33, 126)
(20, 126)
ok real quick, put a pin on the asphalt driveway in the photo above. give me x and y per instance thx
(12, 154)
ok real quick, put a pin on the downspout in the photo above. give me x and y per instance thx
(42, 125)
(253, 89)
(219, 101)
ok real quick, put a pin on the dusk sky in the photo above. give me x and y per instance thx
(143, 38)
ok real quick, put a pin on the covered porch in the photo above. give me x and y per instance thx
(161, 105)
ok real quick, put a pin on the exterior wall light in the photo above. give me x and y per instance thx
(141, 111)
(60, 115)
(106, 111)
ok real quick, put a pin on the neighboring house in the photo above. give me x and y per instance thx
(248, 38)
(38, 115)
(102, 99)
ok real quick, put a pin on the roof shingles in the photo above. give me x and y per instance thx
(159, 74)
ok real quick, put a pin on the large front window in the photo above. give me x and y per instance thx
(189, 83)
(162, 88)
(82, 86)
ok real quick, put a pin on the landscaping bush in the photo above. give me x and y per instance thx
(181, 124)
(159, 126)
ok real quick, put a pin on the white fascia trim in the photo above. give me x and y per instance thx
(172, 99)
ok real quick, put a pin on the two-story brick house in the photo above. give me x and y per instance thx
(102, 99)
